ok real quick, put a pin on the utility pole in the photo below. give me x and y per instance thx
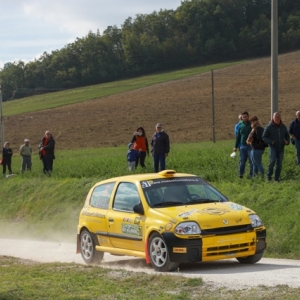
(274, 57)
(1, 119)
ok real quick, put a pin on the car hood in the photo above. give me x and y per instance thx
(210, 215)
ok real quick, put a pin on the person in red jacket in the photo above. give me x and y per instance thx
(140, 144)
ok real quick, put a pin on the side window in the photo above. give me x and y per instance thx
(101, 195)
(126, 197)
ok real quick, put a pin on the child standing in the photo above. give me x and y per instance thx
(6, 155)
(131, 157)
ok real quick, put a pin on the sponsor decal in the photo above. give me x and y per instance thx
(238, 220)
(235, 206)
(93, 214)
(187, 213)
(103, 241)
(168, 227)
(213, 211)
(179, 250)
(137, 220)
(173, 221)
(127, 220)
(132, 229)
(229, 240)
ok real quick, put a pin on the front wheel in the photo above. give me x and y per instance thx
(159, 256)
(250, 259)
(87, 248)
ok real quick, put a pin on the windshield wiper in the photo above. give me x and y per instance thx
(168, 203)
(203, 200)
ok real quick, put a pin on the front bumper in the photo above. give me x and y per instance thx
(215, 247)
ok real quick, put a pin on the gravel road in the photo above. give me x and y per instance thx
(227, 273)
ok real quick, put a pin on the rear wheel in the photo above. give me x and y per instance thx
(159, 255)
(250, 259)
(87, 248)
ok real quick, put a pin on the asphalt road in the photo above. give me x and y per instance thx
(227, 273)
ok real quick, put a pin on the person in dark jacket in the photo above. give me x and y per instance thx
(257, 144)
(6, 157)
(160, 148)
(295, 134)
(140, 144)
(47, 146)
(241, 142)
(277, 137)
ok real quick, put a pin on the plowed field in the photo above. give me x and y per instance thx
(184, 107)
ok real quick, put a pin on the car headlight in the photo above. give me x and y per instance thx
(188, 228)
(255, 220)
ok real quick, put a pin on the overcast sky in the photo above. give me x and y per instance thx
(30, 27)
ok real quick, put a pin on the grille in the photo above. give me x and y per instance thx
(229, 249)
(227, 230)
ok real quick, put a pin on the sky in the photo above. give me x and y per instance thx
(28, 28)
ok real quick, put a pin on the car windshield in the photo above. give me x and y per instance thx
(180, 191)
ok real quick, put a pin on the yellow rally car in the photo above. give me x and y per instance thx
(167, 218)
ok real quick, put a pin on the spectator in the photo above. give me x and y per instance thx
(241, 142)
(160, 148)
(257, 145)
(26, 152)
(6, 158)
(47, 146)
(295, 134)
(131, 157)
(140, 144)
(237, 125)
(277, 137)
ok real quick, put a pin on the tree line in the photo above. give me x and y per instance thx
(197, 32)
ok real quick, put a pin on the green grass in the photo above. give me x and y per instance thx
(37, 205)
(24, 280)
(67, 97)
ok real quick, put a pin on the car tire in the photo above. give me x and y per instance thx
(159, 254)
(87, 248)
(250, 259)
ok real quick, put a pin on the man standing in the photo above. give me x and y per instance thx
(26, 152)
(295, 133)
(47, 146)
(241, 142)
(277, 137)
(160, 148)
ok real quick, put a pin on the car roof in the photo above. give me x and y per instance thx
(147, 176)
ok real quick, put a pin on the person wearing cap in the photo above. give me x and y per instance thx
(6, 158)
(160, 147)
(277, 137)
(257, 144)
(295, 134)
(131, 157)
(46, 148)
(26, 153)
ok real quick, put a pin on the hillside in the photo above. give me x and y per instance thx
(184, 107)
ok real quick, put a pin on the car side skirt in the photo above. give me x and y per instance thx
(121, 251)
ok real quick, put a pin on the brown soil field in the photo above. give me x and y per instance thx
(184, 107)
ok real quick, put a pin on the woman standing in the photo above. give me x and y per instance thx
(140, 144)
(257, 145)
(47, 146)
(6, 157)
